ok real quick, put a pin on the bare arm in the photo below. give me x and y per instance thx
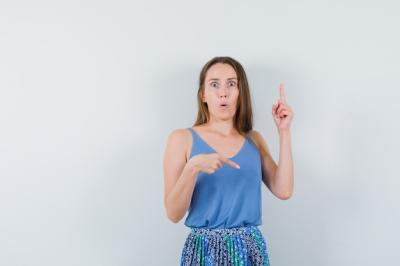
(283, 179)
(179, 176)
(278, 178)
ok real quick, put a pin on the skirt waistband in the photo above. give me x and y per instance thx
(224, 231)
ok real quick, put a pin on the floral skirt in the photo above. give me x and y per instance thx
(225, 246)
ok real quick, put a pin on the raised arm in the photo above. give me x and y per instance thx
(276, 177)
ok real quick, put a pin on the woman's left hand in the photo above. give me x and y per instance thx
(281, 112)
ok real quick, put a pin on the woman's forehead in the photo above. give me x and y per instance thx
(221, 71)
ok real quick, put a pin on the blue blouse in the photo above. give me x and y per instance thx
(229, 197)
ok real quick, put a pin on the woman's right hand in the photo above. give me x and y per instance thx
(211, 162)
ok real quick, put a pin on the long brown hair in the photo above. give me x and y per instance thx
(243, 119)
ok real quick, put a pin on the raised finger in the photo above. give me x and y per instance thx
(282, 93)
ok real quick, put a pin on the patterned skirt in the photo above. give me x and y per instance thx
(225, 246)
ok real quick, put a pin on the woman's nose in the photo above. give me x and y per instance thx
(224, 91)
(223, 95)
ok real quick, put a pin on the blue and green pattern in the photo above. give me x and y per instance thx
(239, 246)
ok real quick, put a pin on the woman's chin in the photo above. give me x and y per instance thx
(225, 116)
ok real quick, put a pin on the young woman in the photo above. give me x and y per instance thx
(214, 170)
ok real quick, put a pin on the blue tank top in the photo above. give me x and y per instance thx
(229, 197)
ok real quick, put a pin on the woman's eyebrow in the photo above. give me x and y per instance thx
(218, 79)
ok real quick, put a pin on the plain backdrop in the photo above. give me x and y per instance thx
(90, 90)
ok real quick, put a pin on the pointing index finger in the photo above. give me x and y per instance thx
(229, 162)
(282, 93)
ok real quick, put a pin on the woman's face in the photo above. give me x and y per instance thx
(221, 91)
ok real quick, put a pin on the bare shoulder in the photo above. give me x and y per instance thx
(178, 142)
(259, 141)
(174, 158)
(179, 134)
(255, 136)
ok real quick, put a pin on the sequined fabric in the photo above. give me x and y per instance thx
(239, 246)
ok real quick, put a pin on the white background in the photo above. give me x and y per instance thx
(90, 90)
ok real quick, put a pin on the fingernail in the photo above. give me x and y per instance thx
(237, 166)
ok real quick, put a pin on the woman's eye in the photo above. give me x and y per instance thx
(214, 83)
(232, 83)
